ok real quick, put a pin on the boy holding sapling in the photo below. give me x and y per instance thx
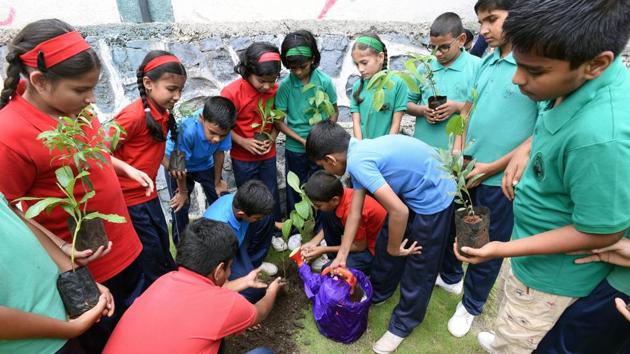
(252, 203)
(453, 74)
(574, 194)
(502, 118)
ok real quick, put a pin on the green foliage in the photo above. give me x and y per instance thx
(321, 107)
(302, 217)
(268, 115)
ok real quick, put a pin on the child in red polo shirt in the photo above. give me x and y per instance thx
(161, 78)
(192, 309)
(61, 71)
(333, 202)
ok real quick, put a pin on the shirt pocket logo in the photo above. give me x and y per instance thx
(538, 166)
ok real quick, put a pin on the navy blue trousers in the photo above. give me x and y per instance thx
(416, 274)
(125, 287)
(264, 171)
(591, 325)
(480, 278)
(333, 230)
(303, 168)
(206, 179)
(251, 254)
(148, 220)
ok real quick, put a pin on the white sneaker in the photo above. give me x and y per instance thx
(269, 268)
(387, 344)
(318, 263)
(295, 241)
(323, 243)
(486, 340)
(451, 288)
(461, 321)
(278, 244)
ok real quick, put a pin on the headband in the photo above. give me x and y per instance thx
(300, 50)
(161, 60)
(269, 56)
(372, 42)
(56, 50)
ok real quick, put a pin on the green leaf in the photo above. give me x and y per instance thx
(87, 196)
(297, 220)
(38, 207)
(412, 85)
(303, 209)
(255, 125)
(308, 87)
(65, 176)
(376, 79)
(269, 105)
(319, 97)
(379, 100)
(410, 65)
(286, 228)
(108, 217)
(455, 125)
(307, 230)
(294, 181)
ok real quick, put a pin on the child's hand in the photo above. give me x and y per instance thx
(618, 253)
(88, 318)
(268, 145)
(478, 255)
(339, 261)
(480, 168)
(401, 251)
(178, 174)
(255, 147)
(276, 285)
(252, 281)
(622, 308)
(514, 171)
(311, 253)
(109, 300)
(142, 178)
(86, 256)
(446, 110)
(220, 187)
(178, 201)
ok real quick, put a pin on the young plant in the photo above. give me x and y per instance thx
(302, 217)
(268, 115)
(320, 104)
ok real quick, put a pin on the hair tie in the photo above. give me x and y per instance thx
(300, 50)
(269, 56)
(56, 49)
(147, 109)
(159, 61)
(372, 42)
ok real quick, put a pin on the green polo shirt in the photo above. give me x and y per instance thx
(454, 81)
(378, 123)
(578, 174)
(28, 281)
(291, 100)
(619, 279)
(503, 117)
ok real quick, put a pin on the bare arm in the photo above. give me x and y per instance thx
(356, 126)
(264, 305)
(350, 230)
(396, 119)
(124, 169)
(335, 116)
(398, 214)
(283, 127)
(417, 110)
(497, 166)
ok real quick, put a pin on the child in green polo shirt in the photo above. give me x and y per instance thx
(370, 56)
(574, 194)
(300, 55)
(454, 75)
(503, 118)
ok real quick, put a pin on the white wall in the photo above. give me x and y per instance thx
(17, 13)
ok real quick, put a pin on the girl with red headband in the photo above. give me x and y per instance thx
(147, 120)
(61, 71)
(259, 68)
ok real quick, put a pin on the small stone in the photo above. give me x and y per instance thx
(306, 342)
(298, 324)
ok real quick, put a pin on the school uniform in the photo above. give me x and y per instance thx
(138, 148)
(411, 169)
(245, 165)
(454, 81)
(573, 178)
(294, 102)
(199, 154)
(29, 170)
(492, 133)
(253, 240)
(332, 224)
(378, 123)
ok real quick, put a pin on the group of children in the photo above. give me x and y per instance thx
(548, 130)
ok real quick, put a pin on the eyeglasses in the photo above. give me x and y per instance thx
(441, 48)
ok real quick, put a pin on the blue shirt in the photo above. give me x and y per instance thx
(193, 143)
(408, 165)
(222, 210)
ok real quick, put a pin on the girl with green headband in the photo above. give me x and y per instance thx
(370, 56)
(300, 55)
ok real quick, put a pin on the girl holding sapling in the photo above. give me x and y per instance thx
(307, 96)
(376, 111)
(61, 70)
(146, 121)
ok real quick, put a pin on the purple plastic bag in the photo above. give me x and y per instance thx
(336, 316)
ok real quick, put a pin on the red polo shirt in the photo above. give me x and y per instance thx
(245, 97)
(28, 169)
(138, 148)
(181, 312)
(372, 217)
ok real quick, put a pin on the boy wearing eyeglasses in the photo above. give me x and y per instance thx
(454, 74)
(503, 118)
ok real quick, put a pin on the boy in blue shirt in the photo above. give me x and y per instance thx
(203, 137)
(404, 176)
(252, 203)
(574, 193)
(503, 118)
